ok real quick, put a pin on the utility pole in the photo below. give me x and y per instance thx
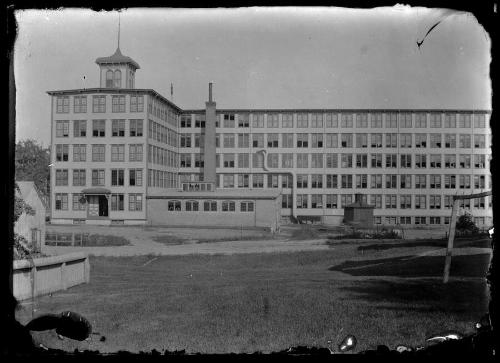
(451, 235)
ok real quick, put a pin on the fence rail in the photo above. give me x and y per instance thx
(67, 239)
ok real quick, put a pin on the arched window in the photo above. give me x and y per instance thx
(118, 78)
(109, 78)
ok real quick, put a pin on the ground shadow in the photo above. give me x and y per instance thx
(482, 243)
(409, 266)
(424, 295)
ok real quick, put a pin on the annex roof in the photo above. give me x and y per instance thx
(217, 194)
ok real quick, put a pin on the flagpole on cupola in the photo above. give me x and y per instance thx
(118, 30)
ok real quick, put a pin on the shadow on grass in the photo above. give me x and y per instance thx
(425, 295)
(169, 240)
(304, 232)
(408, 266)
(465, 242)
(238, 238)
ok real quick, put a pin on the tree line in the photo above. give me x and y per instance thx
(32, 162)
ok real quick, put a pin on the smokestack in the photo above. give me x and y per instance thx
(210, 92)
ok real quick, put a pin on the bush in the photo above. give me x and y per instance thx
(106, 240)
(382, 234)
(21, 250)
(385, 234)
(465, 223)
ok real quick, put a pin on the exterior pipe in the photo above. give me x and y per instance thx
(291, 172)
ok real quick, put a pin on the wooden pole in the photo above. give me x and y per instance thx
(451, 237)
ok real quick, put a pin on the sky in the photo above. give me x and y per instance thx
(258, 58)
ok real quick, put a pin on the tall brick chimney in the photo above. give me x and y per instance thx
(209, 147)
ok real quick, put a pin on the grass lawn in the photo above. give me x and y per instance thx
(268, 302)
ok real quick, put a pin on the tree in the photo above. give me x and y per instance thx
(22, 247)
(32, 164)
(465, 223)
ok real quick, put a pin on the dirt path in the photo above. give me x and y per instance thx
(185, 241)
(226, 247)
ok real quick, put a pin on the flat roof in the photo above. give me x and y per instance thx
(217, 194)
(351, 110)
(264, 110)
(115, 90)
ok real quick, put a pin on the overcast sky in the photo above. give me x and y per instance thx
(258, 58)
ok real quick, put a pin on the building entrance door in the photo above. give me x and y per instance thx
(98, 206)
(103, 206)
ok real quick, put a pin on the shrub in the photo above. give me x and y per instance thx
(465, 223)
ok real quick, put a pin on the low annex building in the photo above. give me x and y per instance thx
(222, 207)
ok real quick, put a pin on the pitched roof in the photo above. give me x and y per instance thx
(25, 187)
(118, 57)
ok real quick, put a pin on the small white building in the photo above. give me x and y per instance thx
(31, 227)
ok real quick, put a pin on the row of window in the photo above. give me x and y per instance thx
(162, 134)
(345, 140)
(98, 152)
(420, 220)
(346, 120)
(118, 105)
(135, 128)
(79, 202)
(162, 111)
(162, 179)
(209, 206)
(160, 156)
(98, 177)
(331, 160)
(379, 201)
(358, 181)
(99, 103)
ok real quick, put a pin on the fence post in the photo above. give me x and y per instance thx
(33, 280)
(63, 275)
(86, 269)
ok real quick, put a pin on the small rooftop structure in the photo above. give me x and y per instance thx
(359, 213)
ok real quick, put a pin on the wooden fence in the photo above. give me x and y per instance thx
(67, 239)
(49, 274)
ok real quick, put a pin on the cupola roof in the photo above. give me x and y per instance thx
(117, 58)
